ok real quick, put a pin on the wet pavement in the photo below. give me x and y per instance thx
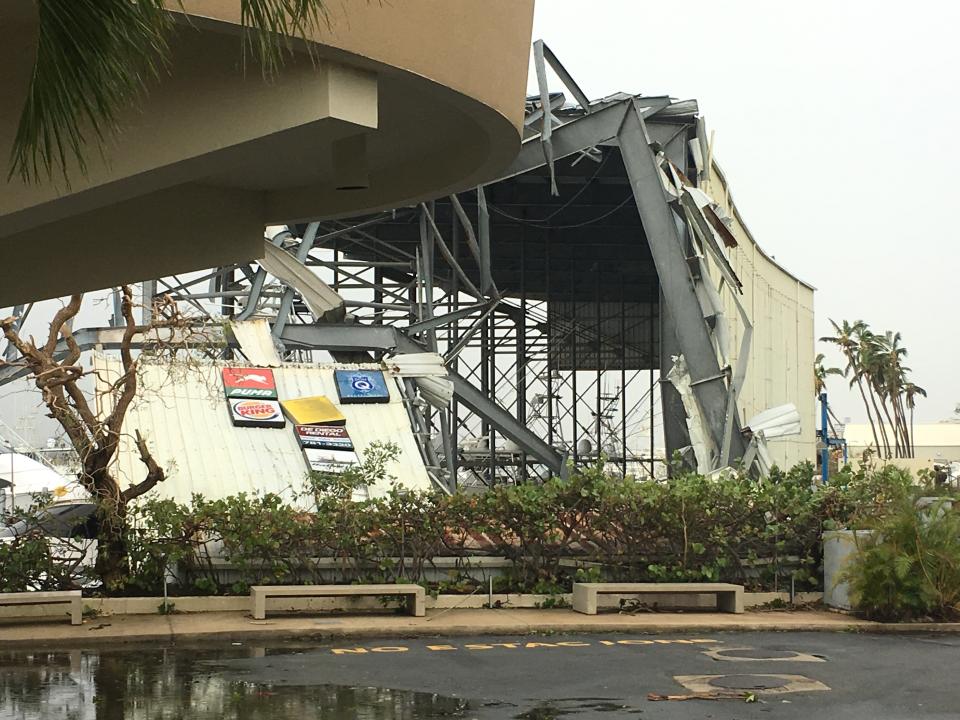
(790, 675)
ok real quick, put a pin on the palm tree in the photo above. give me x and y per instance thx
(846, 339)
(875, 365)
(96, 56)
(820, 373)
(910, 393)
(872, 363)
(896, 379)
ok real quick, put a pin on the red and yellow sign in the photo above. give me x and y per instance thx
(256, 413)
(249, 382)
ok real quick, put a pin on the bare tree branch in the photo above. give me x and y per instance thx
(155, 473)
(64, 315)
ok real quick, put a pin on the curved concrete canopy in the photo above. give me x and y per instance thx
(401, 101)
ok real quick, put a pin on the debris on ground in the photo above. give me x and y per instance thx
(715, 695)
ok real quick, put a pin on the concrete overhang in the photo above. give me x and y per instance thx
(398, 101)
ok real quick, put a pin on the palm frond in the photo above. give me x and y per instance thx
(95, 57)
(269, 27)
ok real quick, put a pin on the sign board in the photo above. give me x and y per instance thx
(330, 461)
(361, 386)
(314, 410)
(323, 437)
(256, 413)
(249, 383)
(327, 448)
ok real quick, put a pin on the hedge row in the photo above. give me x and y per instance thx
(758, 532)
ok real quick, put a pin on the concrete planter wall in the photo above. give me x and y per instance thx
(241, 603)
(839, 548)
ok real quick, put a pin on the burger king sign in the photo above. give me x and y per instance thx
(256, 413)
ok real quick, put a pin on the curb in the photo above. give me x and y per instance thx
(166, 634)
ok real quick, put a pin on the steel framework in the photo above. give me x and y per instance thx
(557, 295)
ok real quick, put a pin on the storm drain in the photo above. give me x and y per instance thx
(748, 654)
(748, 682)
(761, 684)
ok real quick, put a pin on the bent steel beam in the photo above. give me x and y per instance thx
(506, 424)
(584, 132)
(709, 382)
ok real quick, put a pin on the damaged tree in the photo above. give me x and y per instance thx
(55, 370)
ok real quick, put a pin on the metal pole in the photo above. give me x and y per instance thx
(452, 339)
(492, 384)
(522, 347)
(825, 451)
(623, 376)
(650, 318)
(598, 347)
(573, 353)
(551, 351)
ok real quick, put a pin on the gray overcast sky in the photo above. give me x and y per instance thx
(835, 123)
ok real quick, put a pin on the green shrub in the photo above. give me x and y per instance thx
(909, 569)
(758, 532)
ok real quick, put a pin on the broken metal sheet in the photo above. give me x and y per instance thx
(425, 364)
(557, 101)
(704, 230)
(698, 159)
(683, 108)
(776, 422)
(547, 125)
(669, 179)
(256, 342)
(758, 454)
(683, 179)
(430, 374)
(323, 302)
(701, 199)
(679, 377)
(717, 221)
(704, 150)
(721, 326)
(436, 391)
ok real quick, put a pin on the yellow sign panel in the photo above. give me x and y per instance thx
(315, 410)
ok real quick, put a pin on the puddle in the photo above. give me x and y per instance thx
(184, 683)
(573, 706)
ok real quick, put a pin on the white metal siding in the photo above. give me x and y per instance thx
(780, 308)
(185, 420)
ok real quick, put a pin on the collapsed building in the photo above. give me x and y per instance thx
(602, 300)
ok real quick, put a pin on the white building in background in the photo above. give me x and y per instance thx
(932, 441)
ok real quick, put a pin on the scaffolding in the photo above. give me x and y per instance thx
(557, 296)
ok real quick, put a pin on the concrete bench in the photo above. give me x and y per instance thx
(416, 597)
(53, 597)
(729, 597)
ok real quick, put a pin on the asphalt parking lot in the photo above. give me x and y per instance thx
(792, 675)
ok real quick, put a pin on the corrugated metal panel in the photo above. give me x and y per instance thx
(780, 308)
(184, 417)
(430, 373)
(323, 301)
(256, 342)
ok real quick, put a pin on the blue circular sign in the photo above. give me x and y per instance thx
(361, 383)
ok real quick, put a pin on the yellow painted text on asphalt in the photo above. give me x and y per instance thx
(532, 645)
